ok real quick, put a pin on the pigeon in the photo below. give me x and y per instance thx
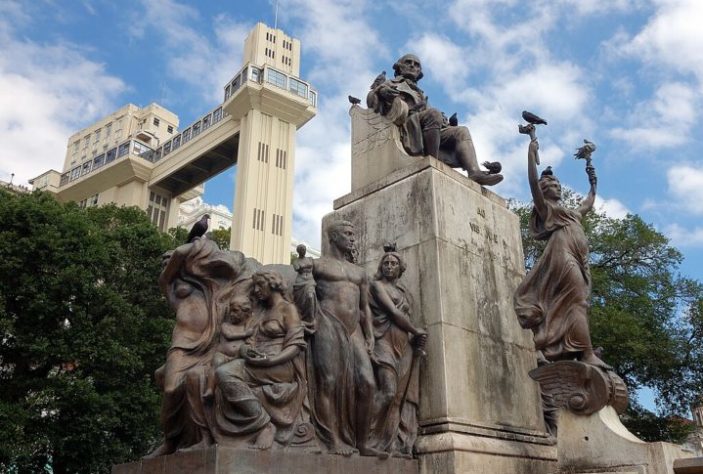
(453, 121)
(380, 79)
(529, 117)
(198, 229)
(493, 167)
(584, 153)
(548, 171)
(353, 100)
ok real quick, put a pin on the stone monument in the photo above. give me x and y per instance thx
(478, 410)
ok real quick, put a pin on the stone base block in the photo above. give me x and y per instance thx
(455, 452)
(222, 460)
(599, 443)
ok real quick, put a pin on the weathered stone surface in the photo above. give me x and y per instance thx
(462, 242)
(689, 466)
(222, 460)
(600, 443)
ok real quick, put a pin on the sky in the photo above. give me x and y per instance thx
(625, 74)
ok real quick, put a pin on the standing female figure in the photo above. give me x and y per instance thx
(395, 414)
(553, 299)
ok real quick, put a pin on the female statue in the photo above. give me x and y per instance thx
(395, 417)
(260, 395)
(552, 300)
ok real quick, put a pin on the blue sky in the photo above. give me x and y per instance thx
(626, 74)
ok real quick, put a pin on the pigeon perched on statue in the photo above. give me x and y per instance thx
(453, 120)
(380, 79)
(585, 152)
(198, 229)
(493, 167)
(529, 117)
(353, 100)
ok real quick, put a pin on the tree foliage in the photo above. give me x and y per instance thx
(644, 314)
(82, 329)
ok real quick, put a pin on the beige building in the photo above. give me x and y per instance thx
(138, 156)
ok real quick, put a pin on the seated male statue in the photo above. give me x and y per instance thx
(424, 129)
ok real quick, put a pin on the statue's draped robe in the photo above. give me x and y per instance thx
(553, 299)
(396, 425)
(249, 397)
(208, 271)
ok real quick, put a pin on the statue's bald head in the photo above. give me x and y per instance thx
(408, 66)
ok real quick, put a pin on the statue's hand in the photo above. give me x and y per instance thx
(386, 92)
(591, 172)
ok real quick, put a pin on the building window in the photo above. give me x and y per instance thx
(259, 220)
(157, 154)
(206, 122)
(140, 149)
(176, 142)
(157, 211)
(169, 129)
(167, 148)
(228, 91)
(217, 115)
(85, 169)
(110, 155)
(298, 87)
(186, 135)
(313, 98)
(97, 135)
(76, 145)
(93, 201)
(122, 150)
(277, 225)
(86, 141)
(99, 161)
(156, 122)
(196, 129)
(75, 172)
(276, 78)
(236, 82)
(108, 129)
(255, 74)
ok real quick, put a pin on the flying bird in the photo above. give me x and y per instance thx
(584, 153)
(353, 100)
(198, 229)
(529, 117)
(453, 121)
(380, 79)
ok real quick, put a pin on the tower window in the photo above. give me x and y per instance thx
(169, 129)
(156, 121)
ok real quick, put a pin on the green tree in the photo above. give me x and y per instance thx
(221, 237)
(644, 314)
(82, 328)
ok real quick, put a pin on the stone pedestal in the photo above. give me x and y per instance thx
(221, 460)
(479, 409)
(600, 443)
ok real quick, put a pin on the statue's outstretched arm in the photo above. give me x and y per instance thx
(532, 160)
(590, 199)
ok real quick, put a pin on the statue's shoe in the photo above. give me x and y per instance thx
(485, 179)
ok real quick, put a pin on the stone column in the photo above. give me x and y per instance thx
(479, 409)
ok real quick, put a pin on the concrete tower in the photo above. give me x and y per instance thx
(271, 103)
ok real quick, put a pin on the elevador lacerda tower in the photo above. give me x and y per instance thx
(270, 102)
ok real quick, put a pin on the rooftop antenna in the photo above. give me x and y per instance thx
(275, 21)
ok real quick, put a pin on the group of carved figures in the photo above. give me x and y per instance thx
(318, 353)
(313, 354)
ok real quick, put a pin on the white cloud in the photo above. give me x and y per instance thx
(672, 37)
(55, 89)
(686, 185)
(612, 207)
(191, 57)
(344, 47)
(664, 121)
(683, 237)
